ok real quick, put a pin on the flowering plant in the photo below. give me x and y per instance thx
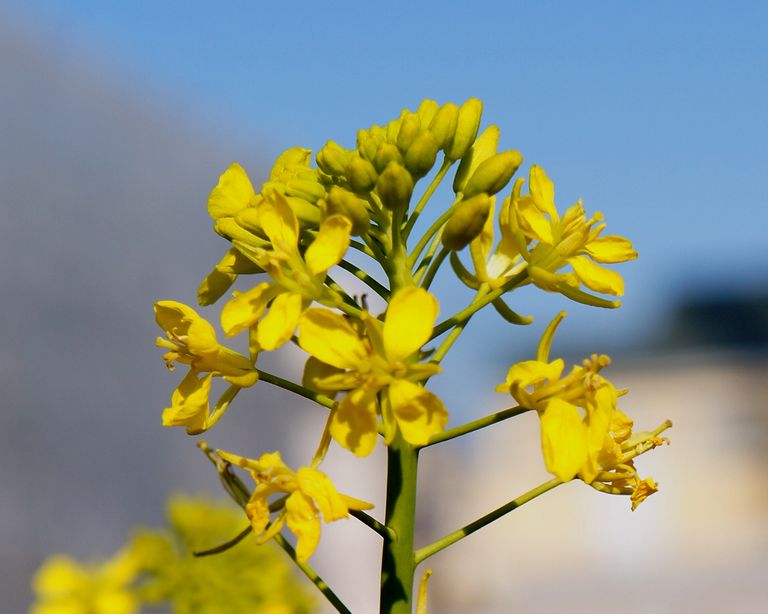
(371, 370)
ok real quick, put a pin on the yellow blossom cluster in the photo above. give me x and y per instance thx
(371, 371)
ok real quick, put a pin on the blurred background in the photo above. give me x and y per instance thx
(116, 119)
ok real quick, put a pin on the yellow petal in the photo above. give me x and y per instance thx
(532, 222)
(327, 336)
(301, 516)
(529, 372)
(279, 223)
(597, 278)
(354, 423)
(418, 412)
(611, 249)
(642, 491)
(543, 191)
(257, 508)
(598, 422)
(189, 403)
(59, 574)
(280, 323)
(233, 193)
(318, 486)
(329, 246)
(563, 439)
(244, 310)
(408, 323)
(314, 372)
(356, 504)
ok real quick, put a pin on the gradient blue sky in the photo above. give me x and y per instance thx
(654, 113)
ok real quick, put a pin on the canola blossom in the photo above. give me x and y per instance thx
(381, 357)
(310, 497)
(305, 254)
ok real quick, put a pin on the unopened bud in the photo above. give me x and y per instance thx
(306, 212)
(311, 191)
(410, 126)
(333, 159)
(361, 175)
(426, 111)
(393, 127)
(484, 147)
(494, 173)
(443, 125)
(466, 129)
(467, 221)
(387, 152)
(421, 155)
(368, 141)
(347, 204)
(295, 156)
(395, 186)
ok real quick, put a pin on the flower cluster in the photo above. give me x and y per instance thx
(370, 371)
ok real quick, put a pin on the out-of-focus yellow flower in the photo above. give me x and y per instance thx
(191, 340)
(583, 433)
(297, 279)
(548, 243)
(385, 356)
(311, 494)
(64, 586)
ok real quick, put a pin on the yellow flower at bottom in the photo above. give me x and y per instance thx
(64, 586)
(311, 495)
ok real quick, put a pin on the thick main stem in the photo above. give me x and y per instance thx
(398, 562)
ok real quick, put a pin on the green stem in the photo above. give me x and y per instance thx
(398, 564)
(366, 279)
(369, 521)
(433, 267)
(313, 576)
(475, 425)
(276, 380)
(427, 259)
(476, 305)
(452, 538)
(435, 227)
(427, 195)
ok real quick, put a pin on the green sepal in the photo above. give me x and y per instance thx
(510, 315)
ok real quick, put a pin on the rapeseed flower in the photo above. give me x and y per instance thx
(583, 433)
(190, 339)
(297, 279)
(547, 243)
(381, 358)
(311, 495)
(62, 585)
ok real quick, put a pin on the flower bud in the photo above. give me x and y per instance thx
(387, 152)
(467, 221)
(410, 126)
(361, 175)
(347, 204)
(368, 141)
(484, 147)
(311, 191)
(426, 111)
(494, 173)
(333, 159)
(443, 125)
(393, 128)
(295, 156)
(421, 155)
(395, 186)
(306, 212)
(466, 129)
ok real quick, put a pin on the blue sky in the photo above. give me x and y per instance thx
(653, 113)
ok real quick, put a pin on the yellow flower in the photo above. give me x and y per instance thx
(548, 243)
(582, 430)
(311, 494)
(383, 358)
(191, 340)
(297, 279)
(64, 586)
